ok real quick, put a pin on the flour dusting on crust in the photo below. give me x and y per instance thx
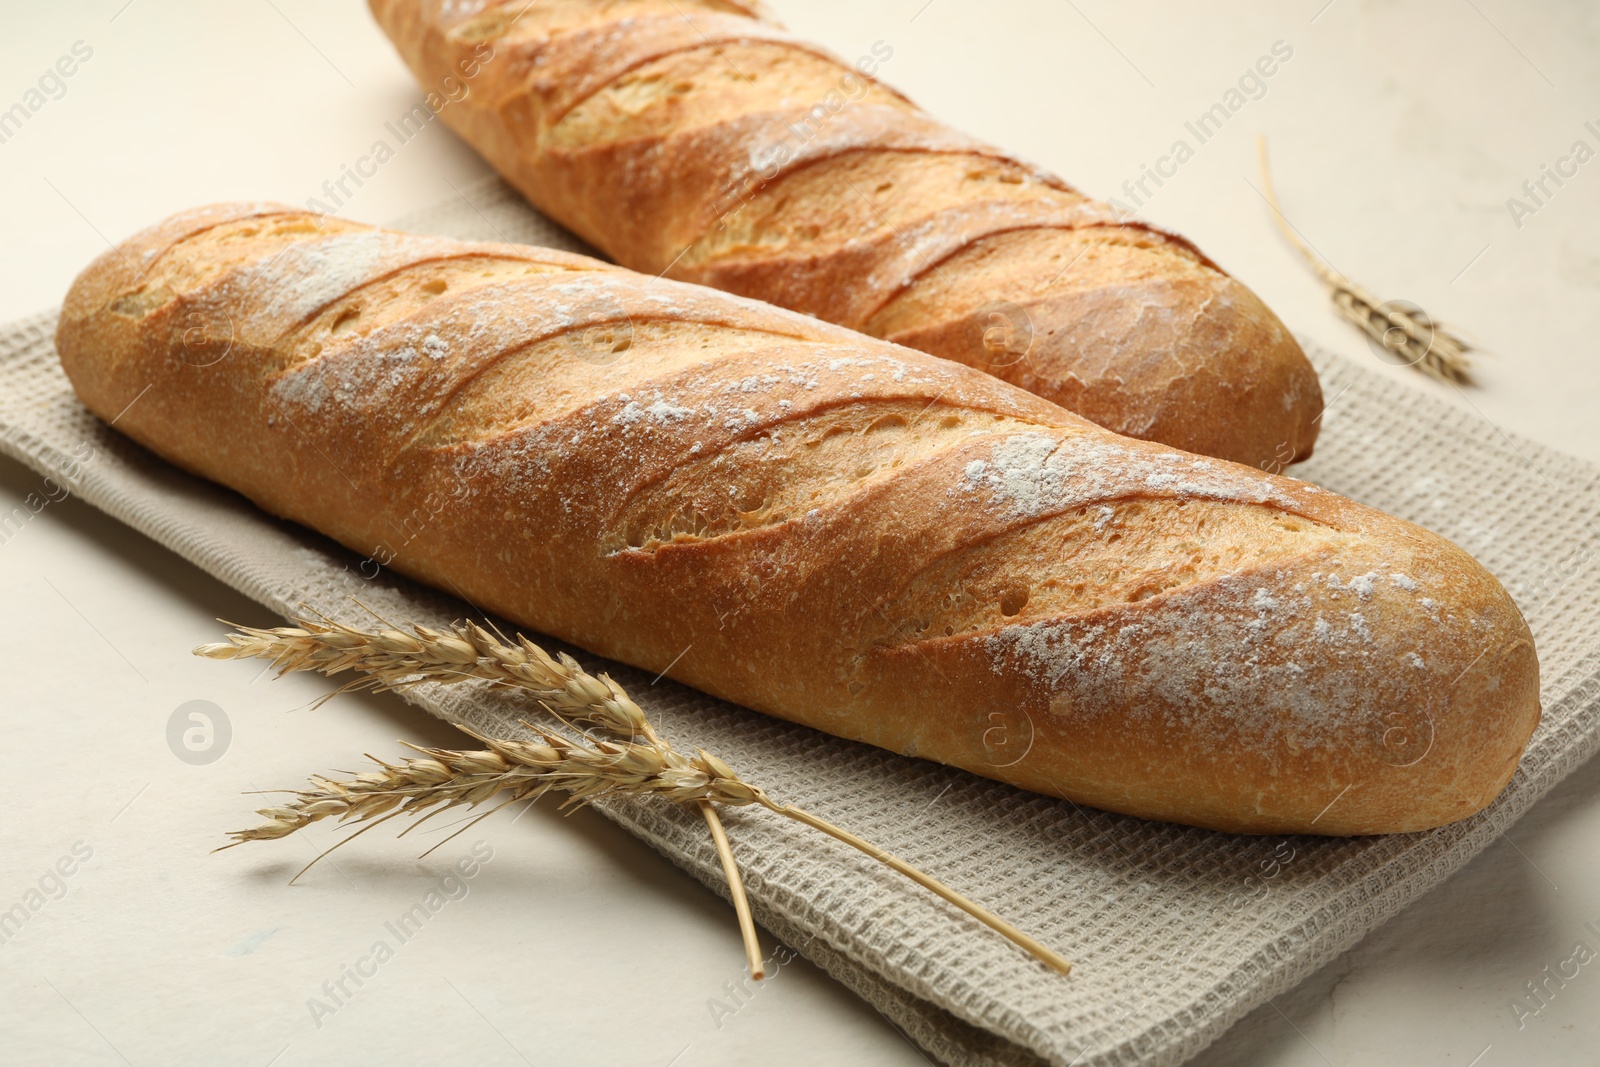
(1261, 655)
(1035, 474)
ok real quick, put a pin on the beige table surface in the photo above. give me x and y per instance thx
(1400, 131)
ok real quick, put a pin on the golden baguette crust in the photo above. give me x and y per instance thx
(828, 528)
(695, 138)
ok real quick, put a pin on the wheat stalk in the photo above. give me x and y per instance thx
(392, 659)
(441, 779)
(1405, 331)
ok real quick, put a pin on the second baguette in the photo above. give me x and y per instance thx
(695, 138)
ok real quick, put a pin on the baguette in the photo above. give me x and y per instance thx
(828, 528)
(694, 138)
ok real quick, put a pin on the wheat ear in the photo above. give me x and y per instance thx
(388, 660)
(445, 778)
(1405, 331)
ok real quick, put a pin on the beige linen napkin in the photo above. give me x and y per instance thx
(1176, 932)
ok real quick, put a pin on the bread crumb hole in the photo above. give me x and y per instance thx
(346, 320)
(1013, 600)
